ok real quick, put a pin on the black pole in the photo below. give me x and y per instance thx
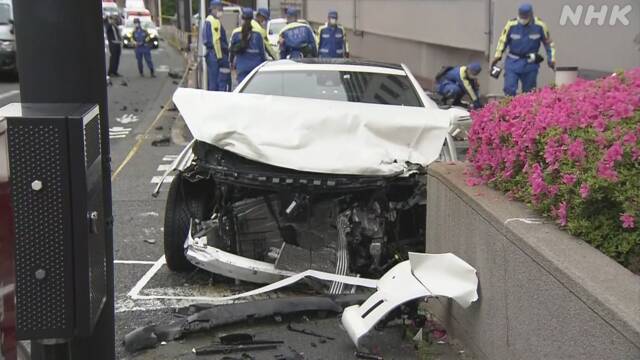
(61, 59)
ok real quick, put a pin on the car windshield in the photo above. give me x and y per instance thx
(351, 86)
(146, 24)
(276, 27)
(5, 14)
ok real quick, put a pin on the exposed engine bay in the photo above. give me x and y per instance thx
(343, 224)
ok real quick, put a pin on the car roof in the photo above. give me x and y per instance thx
(334, 64)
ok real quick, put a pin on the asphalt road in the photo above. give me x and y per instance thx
(9, 89)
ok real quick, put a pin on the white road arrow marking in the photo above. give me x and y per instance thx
(127, 118)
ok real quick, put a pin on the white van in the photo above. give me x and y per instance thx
(7, 38)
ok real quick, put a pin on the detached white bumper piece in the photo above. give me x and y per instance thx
(423, 275)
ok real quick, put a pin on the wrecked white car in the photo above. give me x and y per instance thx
(310, 164)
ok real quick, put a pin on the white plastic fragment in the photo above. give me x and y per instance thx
(421, 276)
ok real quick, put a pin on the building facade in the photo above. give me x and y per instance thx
(598, 36)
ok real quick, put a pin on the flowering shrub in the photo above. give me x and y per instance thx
(572, 153)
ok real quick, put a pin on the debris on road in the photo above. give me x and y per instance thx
(124, 108)
(159, 127)
(207, 317)
(367, 356)
(308, 332)
(245, 339)
(163, 141)
(423, 275)
(124, 83)
(150, 241)
(227, 349)
(175, 74)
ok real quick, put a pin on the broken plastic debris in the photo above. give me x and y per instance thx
(423, 275)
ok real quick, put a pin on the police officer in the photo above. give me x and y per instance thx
(523, 36)
(141, 40)
(455, 82)
(247, 46)
(297, 39)
(332, 39)
(260, 25)
(217, 50)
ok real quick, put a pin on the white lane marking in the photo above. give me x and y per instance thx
(127, 118)
(136, 262)
(157, 179)
(135, 290)
(169, 157)
(150, 213)
(162, 68)
(118, 132)
(164, 167)
(9, 94)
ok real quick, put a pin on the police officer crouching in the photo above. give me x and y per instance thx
(142, 41)
(332, 38)
(297, 39)
(453, 83)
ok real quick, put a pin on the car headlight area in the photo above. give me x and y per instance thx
(7, 46)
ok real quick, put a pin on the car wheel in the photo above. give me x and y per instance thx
(185, 200)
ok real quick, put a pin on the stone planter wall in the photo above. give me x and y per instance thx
(543, 293)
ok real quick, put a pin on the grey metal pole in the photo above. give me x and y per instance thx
(61, 59)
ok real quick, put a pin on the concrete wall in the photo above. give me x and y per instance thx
(428, 34)
(543, 294)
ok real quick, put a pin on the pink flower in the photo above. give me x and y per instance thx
(614, 153)
(630, 139)
(576, 150)
(561, 212)
(628, 221)
(584, 190)
(607, 172)
(569, 179)
(536, 180)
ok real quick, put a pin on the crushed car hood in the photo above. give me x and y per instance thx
(321, 136)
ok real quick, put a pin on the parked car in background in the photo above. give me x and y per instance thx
(110, 9)
(7, 38)
(146, 23)
(274, 26)
(338, 187)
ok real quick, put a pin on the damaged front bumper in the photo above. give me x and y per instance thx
(214, 260)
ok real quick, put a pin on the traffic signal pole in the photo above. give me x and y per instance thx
(61, 59)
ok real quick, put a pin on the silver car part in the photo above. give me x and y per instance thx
(180, 163)
(234, 266)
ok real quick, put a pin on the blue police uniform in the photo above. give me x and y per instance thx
(332, 40)
(297, 41)
(455, 83)
(248, 55)
(523, 43)
(217, 55)
(143, 50)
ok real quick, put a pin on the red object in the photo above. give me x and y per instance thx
(7, 251)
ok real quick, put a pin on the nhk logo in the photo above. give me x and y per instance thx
(591, 15)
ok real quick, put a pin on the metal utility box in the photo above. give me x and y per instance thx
(56, 193)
